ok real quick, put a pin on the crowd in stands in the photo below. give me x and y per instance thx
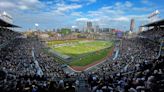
(136, 69)
(7, 34)
(17, 68)
(153, 33)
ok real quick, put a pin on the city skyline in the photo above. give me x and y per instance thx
(66, 13)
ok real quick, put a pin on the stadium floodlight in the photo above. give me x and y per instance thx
(130, 32)
(156, 12)
(4, 13)
(74, 26)
(36, 24)
(6, 17)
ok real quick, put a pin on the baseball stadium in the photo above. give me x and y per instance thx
(81, 46)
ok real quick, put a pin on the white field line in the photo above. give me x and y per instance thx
(88, 67)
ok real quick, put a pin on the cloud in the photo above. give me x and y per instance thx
(64, 7)
(128, 4)
(84, 2)
(140, 9)
(115, 15)
(147, 2)
(82, 19)
(62, 13)
(78, 14)
(123, 5)
(23, 7)
(122, 18)
(90, 2)
(87, 19)
(21, 4)
(144, 1)
(6, 4)
(105, 11)
(31, 1)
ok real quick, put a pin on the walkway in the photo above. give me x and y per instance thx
(38, 69)
(116, 53)
(83, 86)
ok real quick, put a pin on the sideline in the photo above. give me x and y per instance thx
(88, 67)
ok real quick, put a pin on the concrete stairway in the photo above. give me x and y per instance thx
(83, 86)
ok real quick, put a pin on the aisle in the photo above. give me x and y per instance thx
(83, 86)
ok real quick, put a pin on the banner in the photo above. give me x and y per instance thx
(119, 34)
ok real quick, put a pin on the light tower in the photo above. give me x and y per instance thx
(6, 17)
(36, 26)
(153, 16)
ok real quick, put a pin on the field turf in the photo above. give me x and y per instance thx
(82, 52)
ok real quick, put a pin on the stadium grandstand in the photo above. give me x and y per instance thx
(24, 67)
(107, 61)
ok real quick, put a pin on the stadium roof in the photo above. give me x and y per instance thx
(5, 24)
(156, 23)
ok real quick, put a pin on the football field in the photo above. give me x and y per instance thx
(82, 52)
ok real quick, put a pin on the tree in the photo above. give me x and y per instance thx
(65, 31)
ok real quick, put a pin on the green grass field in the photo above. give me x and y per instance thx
(82, 52)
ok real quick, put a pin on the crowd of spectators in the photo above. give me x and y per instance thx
(17, 68)
(136, 69)
(7, 34)
(153, 33)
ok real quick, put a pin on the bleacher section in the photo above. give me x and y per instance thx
(7, 35)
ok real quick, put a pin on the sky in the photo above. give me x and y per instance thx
(51, 14)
